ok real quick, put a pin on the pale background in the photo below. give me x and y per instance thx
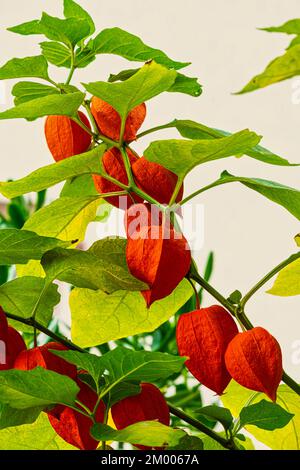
(248, 234)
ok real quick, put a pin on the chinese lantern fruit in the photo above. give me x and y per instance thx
(65, 137)
(253, 359)
(155, 180)
(109, 120)
(161, 258)
(139, 216)
(203, 336)
(42, 356)
(73, 426)
(11, 343)
(148, 405)
(113, 164)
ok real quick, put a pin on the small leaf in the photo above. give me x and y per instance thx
(151, 80)
(287, 282)
(50, 175)
(28, 28)
(38, 387)
(64, 105)
(265, 415)
(290, 27)
(56, 53)
(147, 433)
(223, 415)
(19, 246)
(73, 10)
(181, 156)
(28, 91)
(188, 443)
(10, 417)
(20, 297)
(195, 130)
(28, 67)
(69, 31)
(235, 297)
(281, 68)
(120, 42)
(120, 314)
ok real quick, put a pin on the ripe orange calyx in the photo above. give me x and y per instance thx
(109, 120)
(65, 138)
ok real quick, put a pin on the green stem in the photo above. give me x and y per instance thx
(202, 190)
(155, 129)
(226, 443)
(176, 191)
(72, 69)
(212, 291)
(86, 409)
(127, 165)
(35, 324)
(269, 276)
(122, 131)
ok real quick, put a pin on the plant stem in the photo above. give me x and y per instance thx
(127, 167)
(202, 190)
(226, 443)
(196, 294)
(72, 69)
(35, 324)
(155, 129)
(176, 191)
(269, 276)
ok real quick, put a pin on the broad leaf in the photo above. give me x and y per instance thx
(147, 433)
(28, 67)
(37, 436)
(50, 175)
(56, 53)
(182, 84)
(181, 156)
(120, 42)
(223, 415)
(282, 68)
(287, 438)
(195, 130)
(28, 91)
(151, 80)
(287, 282)
(89, 270)
(120, 314)
(19, 246)
(73, 10)
(69, 31)
(52, 105)
(66, 218)
(79, 187)
(21, 296)
(188, 443)
(289, 27)
(287, 197)
(265, 415)
(10, 417)
(28, 28)
(38, 387)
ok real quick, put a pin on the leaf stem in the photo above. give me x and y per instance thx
(269, 276)
(155, 129)
(219, 182)
(72, 68)
(226, 443)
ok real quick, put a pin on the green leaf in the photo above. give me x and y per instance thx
(90, 270)
(38, 387)
(28, 28)
(181, 156)
(120, 314)
(287, 282)
(37, 436)
(223, 415)
(290, 27)
(64, 105)
(147, 433)
(69, 31)
(28, 91)
(19, 246)
(73, 10)
(287, 197)
(287, 438)
(10, 417)
(182, 84)
(294, 42)
(50, 175)
(56, 53)
(28, 67)
(66, 218)
(265, 415)
(124, 390)
(79, 187)
(120, 42)
(151, 80)
(281, 68)
(188, 443)
(195, 130)
(20, 297)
